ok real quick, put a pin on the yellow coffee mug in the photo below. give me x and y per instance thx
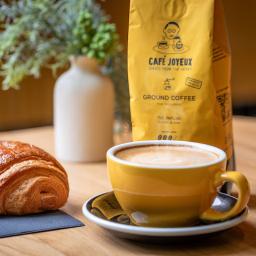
(165, 196)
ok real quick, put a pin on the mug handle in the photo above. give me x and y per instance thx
(243, 196)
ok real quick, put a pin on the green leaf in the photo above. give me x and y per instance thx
(42, 33)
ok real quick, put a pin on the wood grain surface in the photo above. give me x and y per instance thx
(87, 180)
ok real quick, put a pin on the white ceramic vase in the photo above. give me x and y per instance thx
(83, 112)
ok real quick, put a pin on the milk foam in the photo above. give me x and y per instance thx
(167, 155)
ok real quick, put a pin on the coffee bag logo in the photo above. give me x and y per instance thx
(171, 42)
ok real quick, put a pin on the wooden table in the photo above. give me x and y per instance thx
(87, 180)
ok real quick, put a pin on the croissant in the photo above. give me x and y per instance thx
(31, 180)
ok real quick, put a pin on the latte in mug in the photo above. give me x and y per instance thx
(167, 155)
(171, 183)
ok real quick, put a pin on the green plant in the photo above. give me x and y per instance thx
(94, 42)
(45, 33)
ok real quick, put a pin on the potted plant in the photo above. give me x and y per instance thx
(48, 33)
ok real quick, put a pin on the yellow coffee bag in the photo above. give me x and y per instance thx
(179, 72)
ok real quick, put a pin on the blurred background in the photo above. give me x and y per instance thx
(32, 104)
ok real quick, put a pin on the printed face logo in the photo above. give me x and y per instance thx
(171, 30)
(171, 42)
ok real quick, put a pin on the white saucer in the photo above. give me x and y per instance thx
(221, 203)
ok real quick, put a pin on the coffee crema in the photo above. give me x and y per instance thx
(167, 155)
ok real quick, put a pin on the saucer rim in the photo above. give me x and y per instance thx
(163, 232)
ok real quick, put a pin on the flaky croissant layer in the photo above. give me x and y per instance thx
(31, 180)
